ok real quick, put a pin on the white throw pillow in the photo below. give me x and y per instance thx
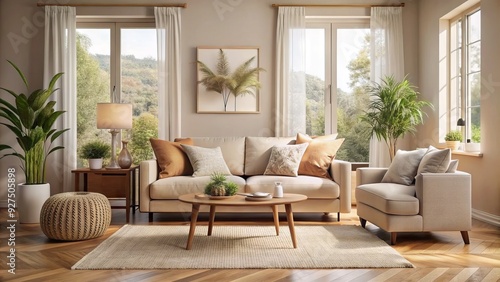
(285, 160)
(404, 166)
(435, 161)
(452, 168)
(206, 161)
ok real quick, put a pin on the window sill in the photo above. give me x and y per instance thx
(470, 154)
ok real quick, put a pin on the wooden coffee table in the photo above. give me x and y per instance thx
(239, 201)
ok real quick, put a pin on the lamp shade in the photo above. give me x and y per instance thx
(114, 116)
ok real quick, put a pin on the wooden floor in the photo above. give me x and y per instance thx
(437, 256)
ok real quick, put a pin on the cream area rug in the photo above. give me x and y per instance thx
(163, 247)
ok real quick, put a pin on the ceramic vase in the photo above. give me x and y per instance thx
(124, 158)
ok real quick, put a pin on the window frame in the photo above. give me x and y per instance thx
(459, 97)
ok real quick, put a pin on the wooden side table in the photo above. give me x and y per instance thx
(112, 183)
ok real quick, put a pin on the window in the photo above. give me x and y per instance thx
(465, 73)
(119, 56)
(337, 72)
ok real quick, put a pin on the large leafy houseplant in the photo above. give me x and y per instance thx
(239, 83)
(393, 111)
(31, 118)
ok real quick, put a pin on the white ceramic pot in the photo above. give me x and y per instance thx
(453, 145)
(95, 163)
(30, 199)
(472, 147)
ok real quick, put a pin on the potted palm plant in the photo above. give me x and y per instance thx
(94, 152)
(30, 118)
(393, 111)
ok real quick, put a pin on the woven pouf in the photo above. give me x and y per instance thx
(74, 216)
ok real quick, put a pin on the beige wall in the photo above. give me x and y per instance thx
(485, 170)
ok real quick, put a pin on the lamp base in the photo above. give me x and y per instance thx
(113, 164)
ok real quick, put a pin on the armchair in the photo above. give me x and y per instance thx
(436, 202)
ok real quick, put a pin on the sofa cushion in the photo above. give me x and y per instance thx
(390, 198)
(233, 150)
(258, 151)
(312, 187)
(206, 161)
(403, 168)
(172, 188)
(171, 159)
(285, 160)
(319, 155)
(435, 161)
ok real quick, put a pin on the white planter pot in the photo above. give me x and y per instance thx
(453, 145)
(30, 199)
(95, 163)
(472, 147)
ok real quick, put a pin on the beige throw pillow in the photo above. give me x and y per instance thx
(318, 155)
(206, 161)
(171, 158)
(285, 160)
(435, 161)
(404, 166)
(452, 168)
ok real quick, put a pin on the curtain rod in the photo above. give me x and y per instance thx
(337, 5)
(184, 5)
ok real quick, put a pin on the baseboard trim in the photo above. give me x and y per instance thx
(486, 217)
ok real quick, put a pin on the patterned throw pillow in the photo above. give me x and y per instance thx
(171, 158)
(285, 160)
(206, 161)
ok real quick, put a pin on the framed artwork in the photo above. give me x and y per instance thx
(228, 80)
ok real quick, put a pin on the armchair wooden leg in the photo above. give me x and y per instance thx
(338, 216)
(150, 216)
(465, 236)
(363, 222)
(394, 236)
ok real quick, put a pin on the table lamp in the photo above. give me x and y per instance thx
(114, 116)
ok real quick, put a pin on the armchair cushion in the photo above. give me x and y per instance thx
(389, 198)
(435, 161)
(404, 166)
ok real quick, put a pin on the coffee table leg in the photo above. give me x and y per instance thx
(194, 216)
(211, 220)
(276, 219)
(291, 225)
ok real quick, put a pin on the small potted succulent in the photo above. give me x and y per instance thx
(220, 187)
(94, 152)
(453, 139)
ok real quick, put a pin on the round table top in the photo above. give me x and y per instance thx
(238, 200)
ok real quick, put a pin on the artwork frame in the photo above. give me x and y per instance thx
(211, 102)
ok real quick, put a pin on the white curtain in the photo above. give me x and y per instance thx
(168, 30)
(387, 58)
(60, 56)
(290, 72)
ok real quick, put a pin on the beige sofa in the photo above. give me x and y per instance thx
(435, 202)
(247, 158)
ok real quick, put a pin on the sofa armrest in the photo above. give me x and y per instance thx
(367, 175)
(341, 173)
(149, 174)
(445, 200)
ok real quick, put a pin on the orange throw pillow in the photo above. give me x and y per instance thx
(319, 154)
(171, 158)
